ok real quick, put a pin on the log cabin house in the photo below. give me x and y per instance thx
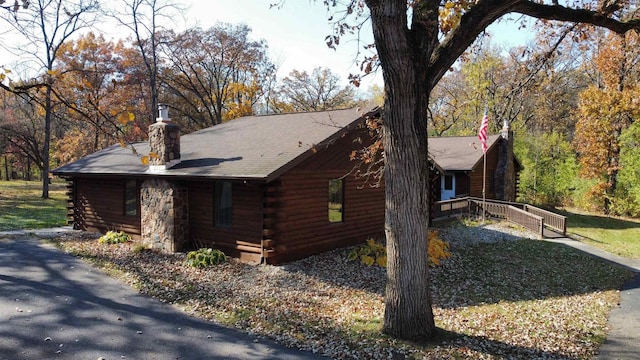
(270, 188)
(457, 167)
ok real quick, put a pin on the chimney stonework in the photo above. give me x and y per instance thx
(505, 171)
(164, 201)
(164, 143)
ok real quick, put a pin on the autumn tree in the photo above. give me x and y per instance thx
(95, 86)
(21, 133)
(606, 110)
(215, 74)
(318, 91)
(417, 42)
(45, 25)
(145, 19)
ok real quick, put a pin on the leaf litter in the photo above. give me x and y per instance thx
(500, 295)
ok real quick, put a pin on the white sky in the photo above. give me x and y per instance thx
(294, 33)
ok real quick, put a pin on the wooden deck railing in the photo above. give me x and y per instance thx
(530, 217)
(453, 207)
(552, 220)
(530, 221)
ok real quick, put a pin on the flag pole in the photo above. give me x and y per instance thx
(484, 184)
(482, 135)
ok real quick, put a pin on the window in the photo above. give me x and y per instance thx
(223, 208)
(448, 182)
(130, 198)
(336, 200)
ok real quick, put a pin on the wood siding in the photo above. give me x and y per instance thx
(99, 206)
(476, 174)
(302, 224)
(243, 238)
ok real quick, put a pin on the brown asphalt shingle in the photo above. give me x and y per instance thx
(253, 147)
(458, 153)
(262, 148)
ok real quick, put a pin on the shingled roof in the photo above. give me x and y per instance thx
(253, 147)
(262, 148)
(458, 153)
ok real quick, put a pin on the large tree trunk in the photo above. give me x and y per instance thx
(408, 313)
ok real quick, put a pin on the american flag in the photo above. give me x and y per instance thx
(482, 132)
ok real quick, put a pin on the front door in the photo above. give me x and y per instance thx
(447, 186)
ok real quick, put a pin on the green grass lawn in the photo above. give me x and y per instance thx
(22, 205)
(615, 235)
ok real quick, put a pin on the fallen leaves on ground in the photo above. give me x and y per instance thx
(498, 296)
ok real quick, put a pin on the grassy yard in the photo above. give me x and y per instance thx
(22, 205)
(615, 235)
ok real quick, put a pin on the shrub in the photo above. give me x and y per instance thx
(140, 248)
(205, 257)
(376, 253)
(438, 248)
(113, 237)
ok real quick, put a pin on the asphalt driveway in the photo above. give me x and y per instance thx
(54, 306)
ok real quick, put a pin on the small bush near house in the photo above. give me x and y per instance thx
(376, 253)
(114, 237)
(140, 248)
(205, 257)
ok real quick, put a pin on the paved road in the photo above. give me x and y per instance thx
(53, 306)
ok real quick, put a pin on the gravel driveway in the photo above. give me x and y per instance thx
(53, 306)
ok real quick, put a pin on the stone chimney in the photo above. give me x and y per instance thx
(164, 201)
(505, 171)
(164, 142)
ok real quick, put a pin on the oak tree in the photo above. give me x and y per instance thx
(605, 110)
(215, 74)
(417, 42)
(318, 91)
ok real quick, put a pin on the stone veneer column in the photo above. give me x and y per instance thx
(164, 214)
(164, 142)
(505, 171)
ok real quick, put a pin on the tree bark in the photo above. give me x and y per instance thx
(413, 60)
(408, 313)
(47, 139)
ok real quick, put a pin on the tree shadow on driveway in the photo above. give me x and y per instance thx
(52, 304)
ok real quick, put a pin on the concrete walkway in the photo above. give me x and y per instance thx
(54, 306)
(623, 337)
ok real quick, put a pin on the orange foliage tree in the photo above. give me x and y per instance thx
(99, 91)
(605, 110)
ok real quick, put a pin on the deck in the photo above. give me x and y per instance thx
(545, 223)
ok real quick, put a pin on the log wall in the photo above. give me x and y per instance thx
(475, 176)
(243, 238)
(99, 206)
(302, 226)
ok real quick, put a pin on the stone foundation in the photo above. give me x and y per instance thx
(164, 215)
